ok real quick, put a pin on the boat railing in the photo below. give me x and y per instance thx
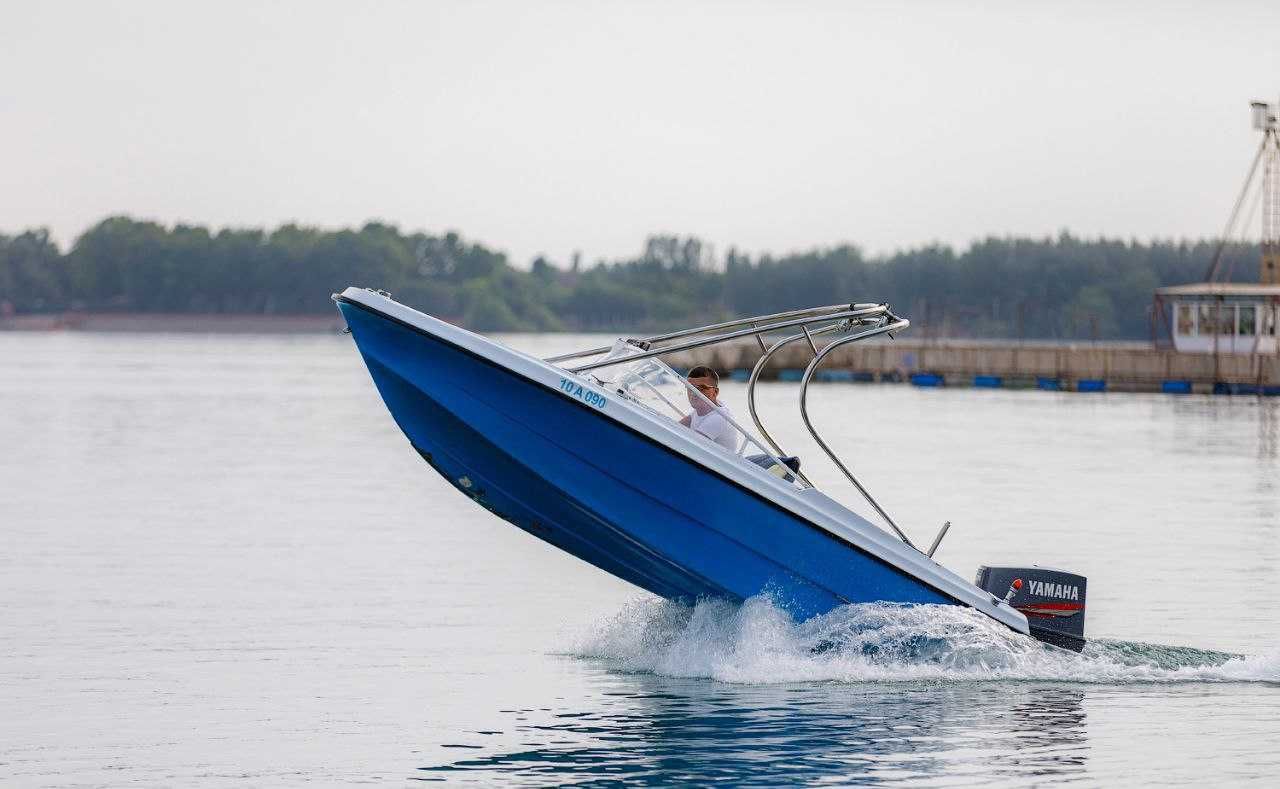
(855, 321)
(689, 339)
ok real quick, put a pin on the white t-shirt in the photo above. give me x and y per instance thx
(714, 426)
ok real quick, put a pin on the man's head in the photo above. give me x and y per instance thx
(706, 381)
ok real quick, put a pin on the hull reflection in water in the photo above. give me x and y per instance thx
(659, 730)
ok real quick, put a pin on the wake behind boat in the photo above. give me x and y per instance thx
(587, 451)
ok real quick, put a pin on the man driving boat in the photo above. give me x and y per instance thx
(709, 418)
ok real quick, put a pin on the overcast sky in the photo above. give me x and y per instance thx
(539, 127)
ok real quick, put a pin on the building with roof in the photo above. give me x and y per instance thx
(1216, 316)
(1220, 317)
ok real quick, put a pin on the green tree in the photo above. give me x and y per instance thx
(32, 275)
(1050, 287)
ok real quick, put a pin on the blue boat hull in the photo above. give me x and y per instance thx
(595, 488)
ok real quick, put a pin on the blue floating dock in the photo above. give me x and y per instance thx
(790, 375)
(1175, 387)
(1245, 389)
(1091, 385)
(740, 375)
(834, 376)
(988, 381)
(927, 379)
(1049, 384)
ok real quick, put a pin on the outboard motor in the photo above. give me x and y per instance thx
(1052, 600)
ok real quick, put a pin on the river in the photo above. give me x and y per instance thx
(223, 564)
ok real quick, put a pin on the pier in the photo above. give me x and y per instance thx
(1080, 367)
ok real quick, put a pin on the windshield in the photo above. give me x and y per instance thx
(660, 389)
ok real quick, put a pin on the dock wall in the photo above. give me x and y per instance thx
(1129, 367)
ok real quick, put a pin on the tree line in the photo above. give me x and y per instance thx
(1062, 287)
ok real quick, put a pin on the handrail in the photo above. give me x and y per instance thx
(755, 377)
(859, 313)
(898, 323)
(817, 312)
(751, 388)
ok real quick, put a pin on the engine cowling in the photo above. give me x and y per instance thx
(1052, 600)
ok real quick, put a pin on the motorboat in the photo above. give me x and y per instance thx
(587, 451)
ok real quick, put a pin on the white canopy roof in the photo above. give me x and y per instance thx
(1221, 289)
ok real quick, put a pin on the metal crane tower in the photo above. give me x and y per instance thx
(1268, 160)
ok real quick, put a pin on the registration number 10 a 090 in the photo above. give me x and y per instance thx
(593, 399)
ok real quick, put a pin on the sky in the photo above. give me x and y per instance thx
(553, 127)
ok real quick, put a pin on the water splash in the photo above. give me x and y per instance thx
(757, 642)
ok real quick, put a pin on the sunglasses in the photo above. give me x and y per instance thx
(704, 387)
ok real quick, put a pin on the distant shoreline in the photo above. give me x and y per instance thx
(223, 323)
(996, 287)
(175, 322)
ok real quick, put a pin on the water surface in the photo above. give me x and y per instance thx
(221, 563)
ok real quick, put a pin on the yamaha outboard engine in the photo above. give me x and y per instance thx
(1052, 600)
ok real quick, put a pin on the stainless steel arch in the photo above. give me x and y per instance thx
(761, 363)
(896, 324)
(858, 313)
(813, 313)
(751, 389)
